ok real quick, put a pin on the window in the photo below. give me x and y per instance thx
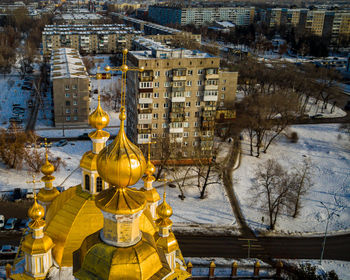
(223, 88)
(185, 144)
(189, 83)
(195, 134)
(144, 106)
(68, 118)
(146, 85)
(66, 87)
(222, 96)
(155, 105)
(155, 125)
(166, 105)
(145, 95)
(155, 116)
(67, 111)
(187, 114)
(199, 82)
(156, 84)
(188, 94)
(195, 124)
(87, 182)
(221, 104)
(74, 86)
(157, 74)
(154, 135)
(98, 184)
(156, 94)
(198, 103)
(167, 84)
(165, 116)
(186, 124)
(185, 134)
(196, 114)
(75, 110)
(75, 95)
(67, 103)
(194, 143)
(200, 71)
(224, 82)
(164, 125)
(166, 94)
(188, 104)
(190, 72)
(75, 118)
(198, 93)
(168, 73)
(75, 102)
(67, 95)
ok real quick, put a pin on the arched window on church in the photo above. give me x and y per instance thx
(87, 182)
(98, 184)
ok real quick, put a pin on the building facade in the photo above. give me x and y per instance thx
(177, 95)
(105, 38)
(70, 88)
(165, 15)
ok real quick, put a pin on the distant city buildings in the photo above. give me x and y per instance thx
(77, 18)
(177, 95)
(105, 38)
(165, 15)
(70, 88)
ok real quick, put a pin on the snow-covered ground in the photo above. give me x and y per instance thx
(329, 151)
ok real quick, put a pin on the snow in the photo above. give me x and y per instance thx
(328, 149)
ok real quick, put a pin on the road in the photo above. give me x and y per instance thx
(337, 247)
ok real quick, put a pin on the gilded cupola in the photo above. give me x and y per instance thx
(98, 119)
(121, 163)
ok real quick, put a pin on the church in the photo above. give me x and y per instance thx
(102, 228)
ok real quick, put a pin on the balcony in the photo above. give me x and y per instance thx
(145, 118)
(179, 78)
(143, 130)
(176, 140)
(141, 138)
(146, 79)
(211, 87)
(176, 129)
(212, 76)
(144, 110)
(208, 97)
(178, 99)
(145, 100)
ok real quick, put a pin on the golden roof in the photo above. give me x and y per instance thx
(73, 210)
(88, 161)
(99, 119)
(121, 163)
(71, 217)
(37, 246)
(121, 201)
(151, 195)
(98, 134)
(97, 260)
(47, 195)
(168, 243)
(47, 169)
(164, 210)
(36, 212)
(150, 169)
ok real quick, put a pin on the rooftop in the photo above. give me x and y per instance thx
(67, 63)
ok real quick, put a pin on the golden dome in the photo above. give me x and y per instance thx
(47, 168)
(36, 211)
(121, 201)
(99, 119)
(150, 168)
(121, 163)
(164, 210)
(97, 260)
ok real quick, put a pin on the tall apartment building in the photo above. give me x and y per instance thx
(320, 23)
(70, 88)
(165, 15)
(341, 26)
(105, 38)
(177, 94)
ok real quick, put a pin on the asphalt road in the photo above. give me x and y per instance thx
(337, 247)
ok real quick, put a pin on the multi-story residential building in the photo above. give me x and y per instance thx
(320, 23)
(105, 38)
(176, 95)
(70, 88)
(166, 15)
(277, 16)
(341, 26)
(77, 18)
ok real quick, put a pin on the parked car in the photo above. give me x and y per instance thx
(23, 224)
(8, 249)
(10, 224)
(2, 221)
(17, 193)
(61, 143)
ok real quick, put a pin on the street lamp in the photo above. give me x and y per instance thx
(329, 215)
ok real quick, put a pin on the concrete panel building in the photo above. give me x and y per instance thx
(70, 88)
(177, 95)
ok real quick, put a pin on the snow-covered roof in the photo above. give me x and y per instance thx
(225, 24)
(81, 16)
(67, 63)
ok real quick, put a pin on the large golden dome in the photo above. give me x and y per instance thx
(121, 163)
(138, 262)
(99, 119)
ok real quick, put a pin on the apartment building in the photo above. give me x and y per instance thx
(320, 23)
(177, 95)
(341, 26)
(105, 38)
(70, 88)
(82, 18)
(165, 15)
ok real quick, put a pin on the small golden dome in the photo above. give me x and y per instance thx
(164, 210)
(36, 211)
(124, 68)
(108, 68)
(121, 163)
(48, 168)
(150, 168)
(99, 119)
(125, 51)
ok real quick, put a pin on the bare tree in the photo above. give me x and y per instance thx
(300, 184)
(271, 190)
(179, 177)
(89, 63)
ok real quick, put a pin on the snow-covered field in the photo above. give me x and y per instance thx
(329, 151)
